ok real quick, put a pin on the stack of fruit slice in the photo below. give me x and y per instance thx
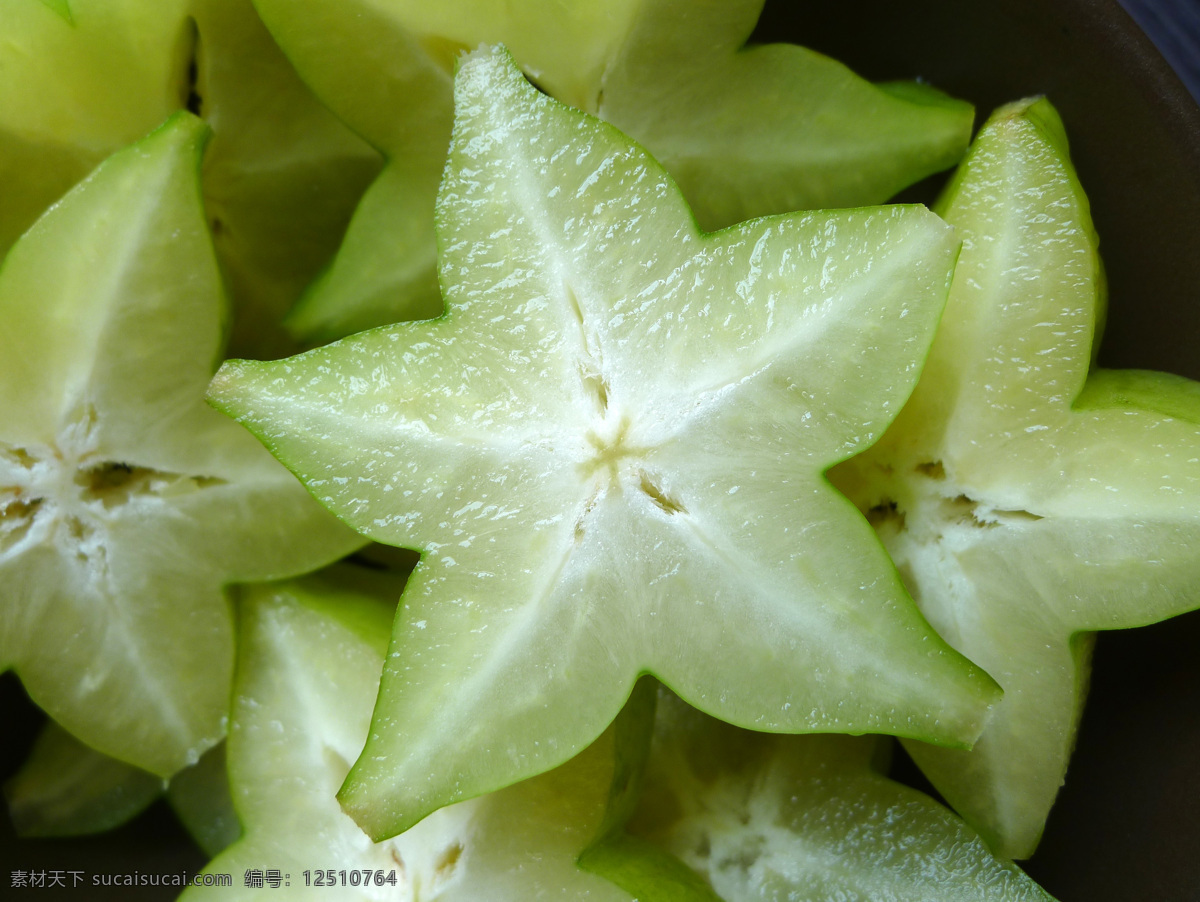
(615, 443)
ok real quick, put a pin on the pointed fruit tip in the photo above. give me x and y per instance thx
(222, 391)
(1039, 112)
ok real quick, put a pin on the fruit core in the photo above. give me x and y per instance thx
(66, 493)
(613, 457)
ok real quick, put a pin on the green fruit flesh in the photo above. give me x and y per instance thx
(66, 788)
(610, 448)
(807, 819)
(399, 285)
(310, 662)
(751, 131)
(1023, 505)
(76, 87)
(745, 132)
(125, 502)
(282, 176)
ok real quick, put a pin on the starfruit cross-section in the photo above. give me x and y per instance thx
(126, 503)
(310, 659)
(611, 452)
(1027, 499)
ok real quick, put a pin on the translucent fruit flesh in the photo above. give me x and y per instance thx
(745, 131)
(311, 656)
(1026, 501)
(125, 502)
(611, 449)
(282, 174)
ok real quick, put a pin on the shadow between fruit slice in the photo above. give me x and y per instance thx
(126, 503)
(610, 451)
(745, 131)
(310, 658)
(65, 788)
(1025, 501)
(807, 819)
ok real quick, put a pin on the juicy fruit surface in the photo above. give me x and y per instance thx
(745, 132)
(311, 656)
(807, 819)
(1023, 505)
(125, 502)
(611, 448)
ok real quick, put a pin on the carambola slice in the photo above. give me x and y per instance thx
(80, 80)
(310, 660)
(746, 131)
(65, 788)
(1026, 501)
(611, 451)
(126, 503)
(808, 819)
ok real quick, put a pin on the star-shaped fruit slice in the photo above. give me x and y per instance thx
(126, 503)
(745, 131)
(310, 657)
(807, 819)
(81, 79)
(1026, 501)
(611, 452)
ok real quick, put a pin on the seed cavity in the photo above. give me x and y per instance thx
(932, 469)
(447, 862)
(19, 457)
(886, 513)
(961, 510)
(16, 519)
(113, 484)
(664, 501)
(936, 511)
(590, 369)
